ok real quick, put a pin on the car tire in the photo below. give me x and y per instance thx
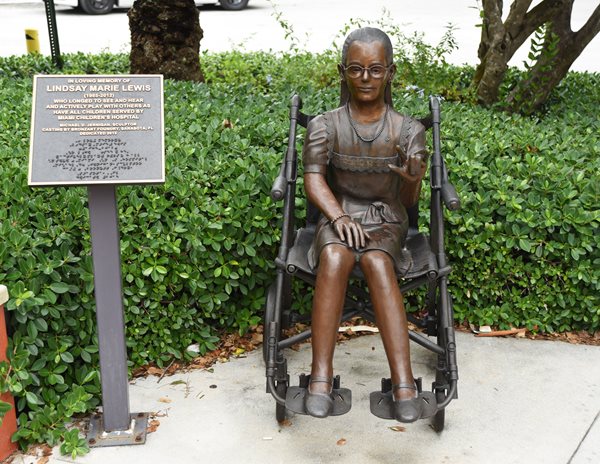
(233, 4)
(97, 7)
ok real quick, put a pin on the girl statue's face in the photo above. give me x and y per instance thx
(366, 72)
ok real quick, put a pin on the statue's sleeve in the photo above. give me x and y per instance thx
(409, 192)
(416, 140)
(316, 146)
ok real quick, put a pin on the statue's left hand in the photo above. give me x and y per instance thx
(351, 232)
(412, 168)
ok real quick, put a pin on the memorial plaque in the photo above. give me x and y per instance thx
(97, 129)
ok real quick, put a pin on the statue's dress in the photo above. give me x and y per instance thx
(357, 173)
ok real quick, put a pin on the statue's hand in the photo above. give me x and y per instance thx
(412, 168)
(350, 231)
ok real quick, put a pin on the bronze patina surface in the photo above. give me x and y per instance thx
(363, 166)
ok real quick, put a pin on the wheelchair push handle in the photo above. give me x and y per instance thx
(434, 108)
(286, 171)
(295, 106)
(439, 170)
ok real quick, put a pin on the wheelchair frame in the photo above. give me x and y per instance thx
(438, 320)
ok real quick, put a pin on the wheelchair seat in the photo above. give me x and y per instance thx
(422, 260)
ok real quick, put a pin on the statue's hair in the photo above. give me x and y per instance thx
(368, 35)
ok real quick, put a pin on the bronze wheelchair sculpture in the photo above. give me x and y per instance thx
(363, 165)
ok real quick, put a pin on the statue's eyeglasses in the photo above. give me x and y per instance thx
(377, 71)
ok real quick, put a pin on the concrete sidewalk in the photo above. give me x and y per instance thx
(520, 401)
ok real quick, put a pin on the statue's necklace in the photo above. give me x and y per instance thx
(379, 131)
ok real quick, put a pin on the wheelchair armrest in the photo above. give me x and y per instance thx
(278, 188)
(450, 196)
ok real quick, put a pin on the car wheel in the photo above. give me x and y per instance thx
(97, 7)
(233, 4)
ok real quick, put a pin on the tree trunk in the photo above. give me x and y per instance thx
(500, 40)
(165, 39)
(492, 54)
(551, 67)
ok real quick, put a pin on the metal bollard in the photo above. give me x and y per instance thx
(53, 33)
(9, 422)
(32, 40)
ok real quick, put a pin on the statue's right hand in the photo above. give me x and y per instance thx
(412, 168)
(351, 232)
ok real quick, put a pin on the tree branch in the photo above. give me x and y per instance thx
(588, 31)
(518, 10)
(520, 30)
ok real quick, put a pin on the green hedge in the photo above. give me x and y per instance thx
(525, 246)
(197, 252)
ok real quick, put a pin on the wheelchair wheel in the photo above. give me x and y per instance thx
(280, 411)
(437, 422)
(269, 315)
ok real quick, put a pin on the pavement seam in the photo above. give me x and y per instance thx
(583, 439)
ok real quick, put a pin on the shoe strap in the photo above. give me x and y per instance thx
(328, 380)
(409, 386)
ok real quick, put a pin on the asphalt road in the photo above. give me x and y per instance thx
(315, 24)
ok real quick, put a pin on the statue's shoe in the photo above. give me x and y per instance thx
(319, 404)
(407, 410)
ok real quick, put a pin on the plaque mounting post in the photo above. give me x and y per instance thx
(101, 145)
(116, 426)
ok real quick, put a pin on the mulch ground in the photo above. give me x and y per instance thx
(233, 345)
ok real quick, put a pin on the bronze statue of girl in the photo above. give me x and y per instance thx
(363, 165)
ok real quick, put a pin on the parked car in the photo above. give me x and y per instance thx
(96, 7)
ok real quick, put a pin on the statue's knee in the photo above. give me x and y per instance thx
(376, 261)
(336, 256)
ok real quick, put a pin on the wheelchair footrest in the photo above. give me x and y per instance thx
(294, 399)
(382, 403)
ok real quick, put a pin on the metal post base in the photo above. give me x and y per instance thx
(135, 435)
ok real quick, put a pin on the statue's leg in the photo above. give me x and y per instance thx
(390, 315)
(335, 265)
